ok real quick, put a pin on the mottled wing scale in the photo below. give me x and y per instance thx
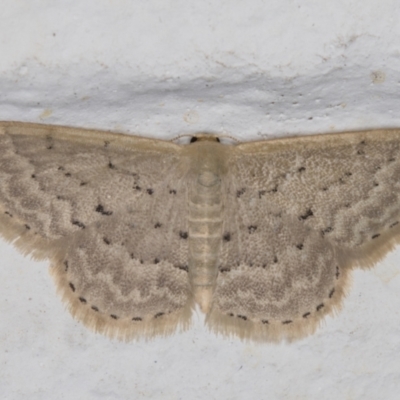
(100, 207)
(300, 213)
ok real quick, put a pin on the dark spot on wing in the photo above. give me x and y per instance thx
(182, 267)
(79, 224)
(300, 246)
(71, 285)
(106, 241)
(327, 230)
(320, 306)
(158, 315)
(183, 235)
(227, 237)
(136, 319)
(157, 225)
(82, 300)
(252, 228)
(150, 191)
(274, 189)
(100, 209)
(240, 192)
(307, 214)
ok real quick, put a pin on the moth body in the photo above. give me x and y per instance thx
(205, 221)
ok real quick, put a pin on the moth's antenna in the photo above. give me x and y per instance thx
(181, 136)
(230, 137)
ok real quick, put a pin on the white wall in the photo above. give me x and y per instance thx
(160, 68)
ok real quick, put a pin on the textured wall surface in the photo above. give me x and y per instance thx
(159, 68)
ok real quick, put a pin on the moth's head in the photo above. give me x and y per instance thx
(204, 137)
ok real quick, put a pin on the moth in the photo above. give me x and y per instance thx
(262, 236)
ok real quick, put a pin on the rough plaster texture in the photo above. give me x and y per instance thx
(160, 68)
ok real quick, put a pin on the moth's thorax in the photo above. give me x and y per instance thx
(207, 155)
(205, 218)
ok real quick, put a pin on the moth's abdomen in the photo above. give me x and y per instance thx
(205, 235)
